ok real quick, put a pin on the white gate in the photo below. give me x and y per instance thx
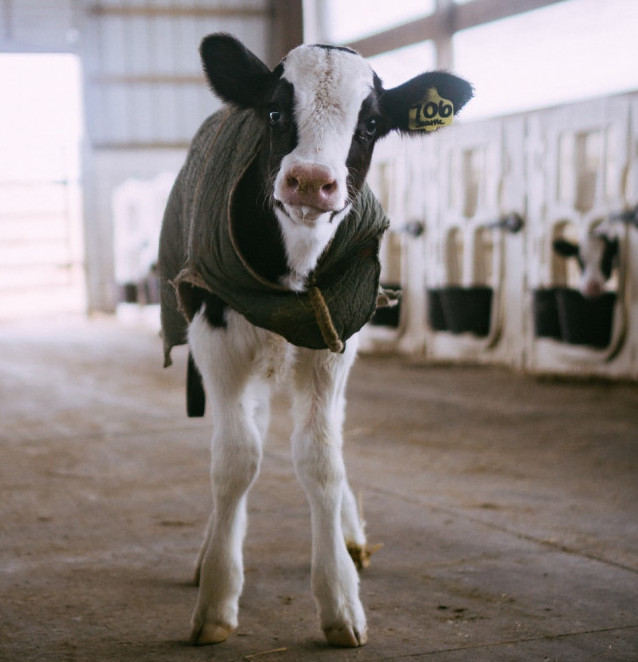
(41, 246)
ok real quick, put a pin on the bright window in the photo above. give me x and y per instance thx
(567, 51)
(352, 19)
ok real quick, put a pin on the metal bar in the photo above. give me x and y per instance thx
(487, 11)
(414, 32)
(177, 12)
(147, 79)
(629, 216)
(445, 22)
(142, 145)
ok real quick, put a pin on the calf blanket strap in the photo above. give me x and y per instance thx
(198, 249)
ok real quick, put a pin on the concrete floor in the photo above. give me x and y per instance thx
(507, 506)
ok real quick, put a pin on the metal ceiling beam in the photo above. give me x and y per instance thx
(447, 21)
(176, 12)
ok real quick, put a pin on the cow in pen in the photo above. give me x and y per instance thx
(597, 254)
(269, 268)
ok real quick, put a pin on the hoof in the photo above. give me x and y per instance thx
(211, 633)
(345, 637)
(361, 554)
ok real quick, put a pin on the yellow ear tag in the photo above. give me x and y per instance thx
(432, 113)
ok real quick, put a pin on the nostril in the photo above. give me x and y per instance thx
(329, 187)
(292, 183)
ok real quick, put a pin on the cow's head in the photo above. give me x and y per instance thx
(596, 254)
(325, 108)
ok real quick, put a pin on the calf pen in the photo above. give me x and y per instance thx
(474, 214)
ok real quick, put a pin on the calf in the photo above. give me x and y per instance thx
(269, 268)
(596, 254)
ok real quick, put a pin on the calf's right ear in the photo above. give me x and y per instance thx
(565, 248)
(236, 75)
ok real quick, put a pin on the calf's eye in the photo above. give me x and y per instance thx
(371, 127)
(274, 116)
(368, 130)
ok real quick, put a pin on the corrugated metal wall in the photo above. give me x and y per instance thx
(39, 26)
(143, 74)
(145, 98)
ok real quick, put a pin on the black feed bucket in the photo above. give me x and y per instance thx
(585, 321)
(467, 309)
(436, 317)
(545, 308)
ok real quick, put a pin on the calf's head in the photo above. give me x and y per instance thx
(325, 109)
(596, 255)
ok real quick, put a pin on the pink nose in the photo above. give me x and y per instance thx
(311, 186)
(592, 289)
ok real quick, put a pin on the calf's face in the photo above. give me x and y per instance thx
(328, 88)
(596, 255)
(325, 108)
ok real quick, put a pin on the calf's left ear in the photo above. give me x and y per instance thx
(565, 248)
(426, 102)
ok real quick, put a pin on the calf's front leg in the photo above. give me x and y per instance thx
(236, 455)
(320, 381)
(236, 451)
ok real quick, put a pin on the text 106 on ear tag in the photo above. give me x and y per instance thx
(432, 113)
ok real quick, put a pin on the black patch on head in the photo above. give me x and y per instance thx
(610, 253)
(565, 248)
(330, 47)
(370, 127)
(282, 131)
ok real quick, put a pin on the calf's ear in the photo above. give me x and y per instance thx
(565, 248)
(235, 74)
(426, 102)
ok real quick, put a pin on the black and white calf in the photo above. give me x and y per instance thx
(597, 254)
(315, 118)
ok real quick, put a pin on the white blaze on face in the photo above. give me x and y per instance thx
(329, 87)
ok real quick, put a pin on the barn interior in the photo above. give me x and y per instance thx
(492, 426)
